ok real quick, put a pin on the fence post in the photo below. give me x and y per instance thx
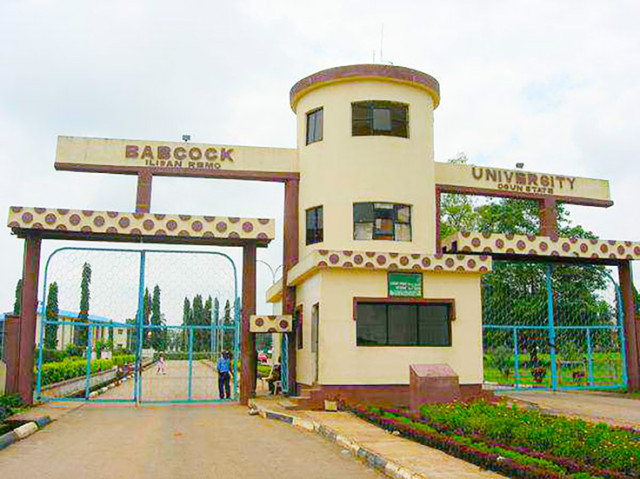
(552, 331)
(190, 360)
(87, 385)
(590, 356)
(137, 388)
(516, 366)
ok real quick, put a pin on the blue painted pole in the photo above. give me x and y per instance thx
(590, 356)
(89, 352)
(138, 369)
(237, 346)
(190, 359)
(516, 367)
(552, 332)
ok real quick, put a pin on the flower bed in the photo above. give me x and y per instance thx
(72, 368)
(518, 443)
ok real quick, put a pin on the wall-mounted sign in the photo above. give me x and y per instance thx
(524, 184)
(406, 285)
(170, 158)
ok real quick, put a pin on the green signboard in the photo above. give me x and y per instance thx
(408, 285)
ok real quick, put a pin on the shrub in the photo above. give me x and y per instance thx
(71, 368)
(502, 359)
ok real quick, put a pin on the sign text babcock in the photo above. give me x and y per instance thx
(179, 157)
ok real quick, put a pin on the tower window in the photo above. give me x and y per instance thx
(381, 221)
(314, 125)
(314, 225)
(380, 118)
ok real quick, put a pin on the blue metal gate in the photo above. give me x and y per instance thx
(552, 327)
(140, 326)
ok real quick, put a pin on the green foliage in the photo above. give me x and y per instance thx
(73, 350)
(146, 319)
(51, 330)
(72, 368)
(595, 444)
(18, 300)
(159, 336)
(81, 333)
(502, 359)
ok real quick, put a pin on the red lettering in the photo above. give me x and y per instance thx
(179, 153)
(211, 153)
(195, 153)
(226, 154)
(131, 151)
(164, 153)
(147, 153)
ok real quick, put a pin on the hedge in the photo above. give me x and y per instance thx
(505, 458)
(72, 368)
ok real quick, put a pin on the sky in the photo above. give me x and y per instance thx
(551, 84)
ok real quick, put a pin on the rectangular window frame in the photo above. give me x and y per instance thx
(448, 302)
(363, 115)
(315, 218)
(315, 125)
(381, 227)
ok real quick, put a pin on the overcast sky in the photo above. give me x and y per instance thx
(552, 84)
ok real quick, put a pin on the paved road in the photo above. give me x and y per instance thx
(590, 406)
(174, 385)
(213, 441)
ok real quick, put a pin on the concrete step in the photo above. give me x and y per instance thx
(294, 402)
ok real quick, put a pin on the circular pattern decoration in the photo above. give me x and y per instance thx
(86, 229)
(112, 230)
(499, 243)
(284, 325)
(112, 214)
(50, 219)
(234, 235)
(334, 258)
(221, 226)
(233, 219)
(27, 218)
(471, 264)
(381, 260)
(259, 322)
(476, 242)
(426, 262)
(543, 246)
(584, 248)
(449, 262)
(196, 226)
(247, 227)
(40, 210)
(99, 221)
(566, 247)
(604, 248)
(520, 244)
(74, 219)
(172, 225)
(148, 225)
(264, 221)
(357, 259)
(61, 228)
(124, 222)
(404, 261)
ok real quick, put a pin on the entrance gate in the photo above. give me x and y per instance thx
(143, 326)
(553, 326)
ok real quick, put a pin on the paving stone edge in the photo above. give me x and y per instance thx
(371, 458)
(23, 431)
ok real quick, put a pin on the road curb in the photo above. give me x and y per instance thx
(23, 431)
(371, 458)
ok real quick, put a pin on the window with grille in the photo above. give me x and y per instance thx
(381, 221)
(314, 125)
(403, 324)
(314, 225)
(385, 118)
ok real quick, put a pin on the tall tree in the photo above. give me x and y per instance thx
(158, 334)
(186, 321)
(18, 300)
(51, 330)
(208, 320)
(82, 333)
(228, 334)
(198, 320)
(146, 319)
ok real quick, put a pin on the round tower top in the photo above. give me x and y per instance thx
(350, 73)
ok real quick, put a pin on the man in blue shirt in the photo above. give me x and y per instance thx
(224, 375)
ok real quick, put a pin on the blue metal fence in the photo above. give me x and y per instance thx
(553, 327)
(120, 283)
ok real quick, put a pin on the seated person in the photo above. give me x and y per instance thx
(274, 375)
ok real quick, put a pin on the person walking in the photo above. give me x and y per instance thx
(224, 375)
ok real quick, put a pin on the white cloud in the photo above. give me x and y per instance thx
(553, 84)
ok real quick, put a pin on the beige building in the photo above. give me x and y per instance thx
(367, 207)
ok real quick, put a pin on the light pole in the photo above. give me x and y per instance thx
(273, 271)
